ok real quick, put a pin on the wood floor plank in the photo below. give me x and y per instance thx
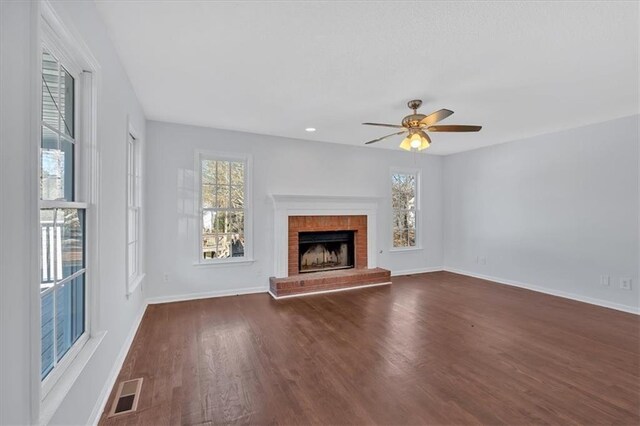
(437, 348)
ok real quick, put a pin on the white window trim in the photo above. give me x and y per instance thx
(134, 281)
(248, 207)
(418, 174)
(66, 44)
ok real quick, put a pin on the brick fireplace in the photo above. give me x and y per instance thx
(327, 253)
(302, 225)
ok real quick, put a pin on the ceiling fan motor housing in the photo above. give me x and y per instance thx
(412, 120)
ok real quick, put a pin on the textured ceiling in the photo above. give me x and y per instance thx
(518, 68)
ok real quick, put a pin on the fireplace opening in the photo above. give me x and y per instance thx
(324, 251)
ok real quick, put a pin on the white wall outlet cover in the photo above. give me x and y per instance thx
(625, 283)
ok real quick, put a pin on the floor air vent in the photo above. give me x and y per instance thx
(127, 397)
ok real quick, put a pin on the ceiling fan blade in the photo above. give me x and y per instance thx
(384, 137)
(424, 135)
(384, 125)
(454, 128)
(434, 117)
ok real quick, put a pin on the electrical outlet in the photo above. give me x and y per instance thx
(625, 283)
(605, 280)
(166, 278)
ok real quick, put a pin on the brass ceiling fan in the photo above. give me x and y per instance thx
(417, 125)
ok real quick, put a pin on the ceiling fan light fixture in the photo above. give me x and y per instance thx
(424, 145)
(416, 141)
(406, 144)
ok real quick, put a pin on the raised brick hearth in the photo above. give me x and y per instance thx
(329, 280)
(297, 283)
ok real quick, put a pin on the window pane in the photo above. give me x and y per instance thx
(224, 245)
(400, 238)
(237, 173)
(72, 221)
(237, 245)
(237, 197)
(51, 167)
(67, 171)
(412, 237)
(411, 220)
(236, 223)
(400, 219)
(131, 259)
(221, 222)
(69, 314)
(208, 196)
(66, 102)
(208, 171)
(51, 263)
(208, 218)
(403, 191)
(222, 197)
(46, 333)
(131, 225)
(208, 241)
(77, 307)
(50, 91)
(222, 173)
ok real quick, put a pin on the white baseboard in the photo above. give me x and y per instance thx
(115, 370)
(206, 295)
(416, 271)
(335, 290)
(558, 293)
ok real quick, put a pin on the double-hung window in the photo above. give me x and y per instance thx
(405, 207)
(225, 224)
(134, 212)
(63, 316)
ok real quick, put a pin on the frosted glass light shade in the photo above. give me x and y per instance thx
(406, 144)
(415, 141)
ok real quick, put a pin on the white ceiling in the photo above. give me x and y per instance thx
(517, 68)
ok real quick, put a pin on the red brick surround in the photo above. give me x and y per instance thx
(358, 224)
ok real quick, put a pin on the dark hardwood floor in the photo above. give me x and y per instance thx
(435, 348)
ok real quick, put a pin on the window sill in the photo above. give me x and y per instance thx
(403, 249)
(58, 392)
(214, 263)
(133, 285)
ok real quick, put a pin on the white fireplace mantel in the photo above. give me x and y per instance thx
(320, 205)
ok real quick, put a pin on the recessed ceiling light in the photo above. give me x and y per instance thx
(310, 129)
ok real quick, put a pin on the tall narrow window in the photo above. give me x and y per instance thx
(134, 213)
(62, 219)
(404, 200)
(222, 208)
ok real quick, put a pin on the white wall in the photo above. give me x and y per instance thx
(280, 166)
(117, 313)
(555, 211)
(17, 212)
